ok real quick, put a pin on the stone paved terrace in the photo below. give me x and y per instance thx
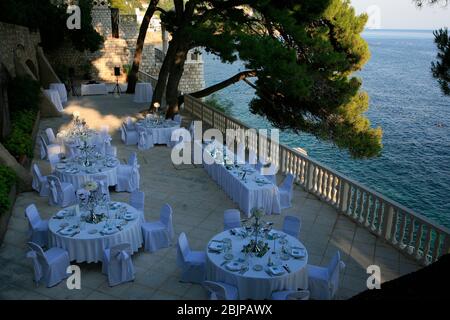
(198, 205)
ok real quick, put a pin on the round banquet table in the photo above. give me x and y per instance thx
(80, 175)
(143, 92)
(161, 132)
(257, 285)
(88, 247)
(54, 97)
(61, 88)
(71, 143)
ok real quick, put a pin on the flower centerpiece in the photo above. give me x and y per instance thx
(257, 246)
(90, 199)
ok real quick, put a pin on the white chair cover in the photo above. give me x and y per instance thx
(103, 185)
(129, 136)
(137, 201)
(117, 264)
(324, 281)
(61, 194)
(286, 189)
(291, 226)
(53, 159)
(51, 266)
(192, 263)
(221, 290)
(159, 234)
(38, 228)
(128, 178)
(231, 219)
(145, 140)
(291, 295)
(40, 183)
(50, 136)
(48, 149)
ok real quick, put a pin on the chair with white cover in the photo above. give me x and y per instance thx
(291, 226)
(61, 193)
(231, 219)
(128, 176)
(324, 281)
(53, 159)
(221, 290)
(129, 134)
(50, 266)
(159, 234)
(145, 139)
(102, 181)
(177, 118)
(40, 183)
(38, 227)
(286, 188)
(291, 295)
(50, 136)
(192, 263)
(110, 150)
(48, 149)
(117, 264)
(137, 200)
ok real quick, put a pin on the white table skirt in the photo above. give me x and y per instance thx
(79, 179)
(85, 247)
(61, 88)
(161, 135)
(54, 97)
(94, 89)
(143, 92)
(252, 284)
(247, 195)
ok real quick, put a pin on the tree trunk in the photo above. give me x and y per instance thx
(175, 74)
(132, 76)
(219, 86)
(23, 176)
(163, 74)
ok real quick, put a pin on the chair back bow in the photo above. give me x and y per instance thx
(123, 257)
(54, 191)
(38, 274)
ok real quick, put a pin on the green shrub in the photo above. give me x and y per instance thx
(7, 180)
(23, 94)
(19, 141)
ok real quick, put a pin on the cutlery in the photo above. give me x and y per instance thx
(73, 235)
(287, 269)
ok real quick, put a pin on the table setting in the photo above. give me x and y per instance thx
(160, 128)
(85, 229)
(240, 180)
(257, 259)
(79, 169)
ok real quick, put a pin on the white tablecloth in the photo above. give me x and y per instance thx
(86, 174)
(54, 97)
(61, 88)
(86, 247)
(162, 133)
(143, 92)
(93, 89)
(255, 191)
(253, 284)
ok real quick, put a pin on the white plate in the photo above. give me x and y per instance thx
(68, 231)
(234, 266)
(129, 216)
(109, 230)
(298, 252)
(215, 246)
(60, 166)
(276, 270)
(61, 214)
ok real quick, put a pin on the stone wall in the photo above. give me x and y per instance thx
(19, 40)
(120, 52)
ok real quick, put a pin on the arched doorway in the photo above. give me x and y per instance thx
(32, 68)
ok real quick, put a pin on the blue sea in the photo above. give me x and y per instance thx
(405, 101)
